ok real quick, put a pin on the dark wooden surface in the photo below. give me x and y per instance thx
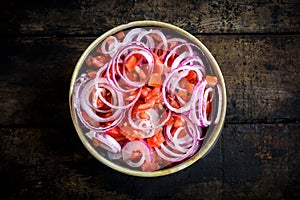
(257, 45)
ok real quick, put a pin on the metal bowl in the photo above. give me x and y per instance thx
(213, 133)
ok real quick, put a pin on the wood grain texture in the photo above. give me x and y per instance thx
(261, 75)
(255, 42)
(251, 161)
(95, 17)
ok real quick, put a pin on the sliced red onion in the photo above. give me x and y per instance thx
(201, 136)
(148, 126)
(128, 50)
(136, 146)
(100, 73)
(86, 91)
(170, 141)
(187, 139)
(219, 104)
(150, 41)
(82, 91)
(133, 33)
(106, 141)
(169, 152)
(195, 61)
(182, 144)
(117, 95)
(179, 59)
(150, 64)
(90, 134)
(174, 51)
(171, 83)
(170, 40)
(196, 108)
(112, 48)
(179, 148)
(205, 119)
(114, 156)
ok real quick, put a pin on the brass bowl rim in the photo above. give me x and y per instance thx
(204, 150)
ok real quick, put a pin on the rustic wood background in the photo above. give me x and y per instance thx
(256, 43)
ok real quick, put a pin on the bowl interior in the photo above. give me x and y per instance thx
(92, 62)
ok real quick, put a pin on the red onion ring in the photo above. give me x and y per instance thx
(218, 115)
(107, 142)
(132, 48)
(172, 79)
(206, 121)
(164, 53)
(113, 47)
(150, 41)
(196, 112)
(151, 127)
(133, 33)
(136, 146)
(83, 90)
(179, 149)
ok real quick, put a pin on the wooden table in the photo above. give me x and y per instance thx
(256, 44)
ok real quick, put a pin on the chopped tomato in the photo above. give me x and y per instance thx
(120, 35)
(155, 80)
(208, 107)
(131, 63)
(156, 37)
(154, 95)
(183, 95)
(178, 122)
(140, 72)
(91, 73)
(190, 87)
(157, 139)
(145, 92)
(96, 142)
(136, 155)
(156, 91)
(116, 134)
(211, 80)
(150, 166)
(147, 105)
(172, 58)
(192, 75)
(187, 85)
(90, 120)
(173, 102)
(130, 133)
(144, 115)
(159, 68)
(170, 121)
(96, 61)
(135, 108)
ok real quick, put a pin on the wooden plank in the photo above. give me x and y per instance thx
(95, 17)
(250, 161)
(261, 75)
(34, 76)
